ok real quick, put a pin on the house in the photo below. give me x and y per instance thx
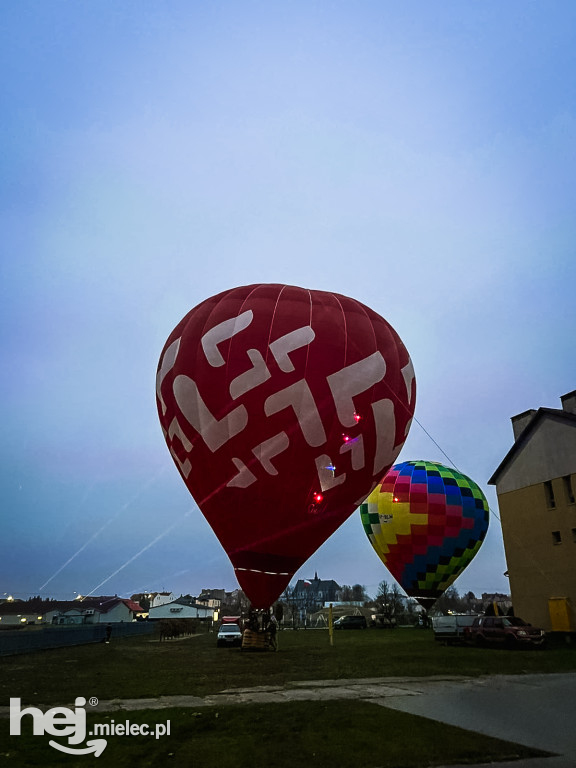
(503, 602)
(89, 610)
(153, 599)
(18, 612)
(184, 607)
(316, 592)
(536, 488)
(95, 610)
(212, 598)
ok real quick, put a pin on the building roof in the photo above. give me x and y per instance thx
(34, 605)
(219, 594)
(149, 595)
(133, 605)
(526, 434)
(184, 600)
(316, 584)
(40, 607)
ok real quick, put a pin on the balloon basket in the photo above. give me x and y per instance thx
(256, 641)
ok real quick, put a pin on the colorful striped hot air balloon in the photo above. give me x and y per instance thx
(426, 522)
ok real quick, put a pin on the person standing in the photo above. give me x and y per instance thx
(273, 630)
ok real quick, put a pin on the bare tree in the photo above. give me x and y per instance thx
(290, 600)
(397, 600)
(383, 598)
(359, 594)
(452, 601)
(346, 594)
(389, 601)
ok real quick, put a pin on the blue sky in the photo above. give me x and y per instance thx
(419, 157)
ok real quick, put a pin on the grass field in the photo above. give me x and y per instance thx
(333, 734)
(337, 734)
(142, 666)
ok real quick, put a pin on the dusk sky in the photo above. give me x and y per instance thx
(417, 156)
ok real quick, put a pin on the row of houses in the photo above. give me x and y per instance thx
(209, 602)
(90, 610)
(151, 605)
(105, 609)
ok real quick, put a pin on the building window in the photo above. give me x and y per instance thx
(556, 537)
(568, 490)
(549, 491)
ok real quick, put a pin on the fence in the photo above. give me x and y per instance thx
(14, 641)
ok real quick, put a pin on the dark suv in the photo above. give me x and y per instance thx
(350, 622)
(509, 631)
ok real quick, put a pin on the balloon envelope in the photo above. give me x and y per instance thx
(281, 408)
(426, 522)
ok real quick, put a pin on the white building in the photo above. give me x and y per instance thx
(181, 608)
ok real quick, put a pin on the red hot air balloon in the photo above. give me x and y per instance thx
(282, 407)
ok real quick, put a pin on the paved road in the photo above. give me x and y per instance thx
(535, 710)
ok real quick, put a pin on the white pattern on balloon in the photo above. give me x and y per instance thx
(299, 397)
(353, 380)
(168, 362)
(251, 378)
(409, 376)
(282, 347)
(354, 446)
(184, 466)
(327, 476)
(244, 478)
(214, 432)
(175, 430)
(222, 332)
(385, 421)
(344, 385)
(269, 449)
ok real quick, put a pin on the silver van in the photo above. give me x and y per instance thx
(450, 629)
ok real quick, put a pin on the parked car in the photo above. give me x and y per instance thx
(229, 635)
(350, 622)
(510, 631)
(450, 629)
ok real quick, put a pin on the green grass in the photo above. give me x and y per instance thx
(142, 667)
(321, 734)
(336, 733)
